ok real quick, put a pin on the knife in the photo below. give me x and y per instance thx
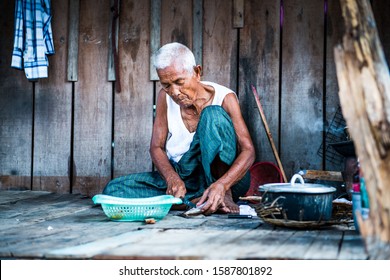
(238, 216)
(188, 203)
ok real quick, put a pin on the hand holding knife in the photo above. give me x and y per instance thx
(188, 203)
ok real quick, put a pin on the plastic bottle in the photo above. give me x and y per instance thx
(363, 191)
(365, 211)
(356, 180)
(356, 196)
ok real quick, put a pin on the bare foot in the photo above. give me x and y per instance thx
(229, 205)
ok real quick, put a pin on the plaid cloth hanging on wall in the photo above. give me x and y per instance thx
(33, 38)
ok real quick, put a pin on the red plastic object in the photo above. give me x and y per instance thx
(263, 173)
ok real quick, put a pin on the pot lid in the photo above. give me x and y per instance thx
(294, 187)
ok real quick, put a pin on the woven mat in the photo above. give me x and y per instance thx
(273, 214)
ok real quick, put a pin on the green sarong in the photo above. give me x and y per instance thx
(214, 136)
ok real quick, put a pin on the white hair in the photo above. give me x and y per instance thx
(174, 53)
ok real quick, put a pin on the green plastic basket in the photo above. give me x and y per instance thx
(135, 209)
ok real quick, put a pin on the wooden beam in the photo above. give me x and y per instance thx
(197, 27)
(133, 107)
(53, 114)
(111, 63)
(259, 59)
(238, 13)
(219, 44)
(302, 63)
(92, 140)
(322, 175)
(73, 41)
(364, 82)
(155, 34)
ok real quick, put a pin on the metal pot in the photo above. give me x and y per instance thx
(300, 202)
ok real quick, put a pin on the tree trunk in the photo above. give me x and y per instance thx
(364, 82)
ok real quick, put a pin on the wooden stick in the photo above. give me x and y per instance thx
(322, 175)
(250, 197)
(269, 135)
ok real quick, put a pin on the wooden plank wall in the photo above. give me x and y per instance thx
(16, 111)
(74, 136)
(301, 102)
(133, 107)
(259, 64)
(53, 115)
(93, 97)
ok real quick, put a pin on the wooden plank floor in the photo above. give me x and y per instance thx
(44, 225)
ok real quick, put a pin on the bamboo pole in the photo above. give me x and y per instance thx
(269, 135)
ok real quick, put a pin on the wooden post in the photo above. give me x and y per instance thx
(155, 35)
(364, 83)
(238, 13)
(259, 58)
(197, 28)
(111, 61)
(73, 45)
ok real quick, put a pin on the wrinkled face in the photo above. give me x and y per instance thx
(179, 85)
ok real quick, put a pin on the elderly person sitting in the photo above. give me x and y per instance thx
(200, 143)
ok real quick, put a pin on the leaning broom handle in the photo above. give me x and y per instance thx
(268, 132)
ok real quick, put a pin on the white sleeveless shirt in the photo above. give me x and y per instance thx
(179, 138)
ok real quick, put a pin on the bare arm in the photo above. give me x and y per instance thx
(175, 185)
(246, 150)
(215, 194)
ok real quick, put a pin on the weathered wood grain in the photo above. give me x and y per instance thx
(324, 246)
(219, 44)
(81, 227)
(177, 244)
(299, 239)
(65, 226)
(133, 119)
(352, 247)
(261, 243)
(101, 246)
(194, 241)
(259, 66)
(238, 13)
(302, 85)
(322, 175)
(155, 35)
(111, 61)
(39, 209)
(50, 221)
(53, 114)
(176, 22)
(381, 10)
(242, 246)
(364, 82)
(7, 197)
(197, 30)
(16, 111)
(73, 39)
(93, 102)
